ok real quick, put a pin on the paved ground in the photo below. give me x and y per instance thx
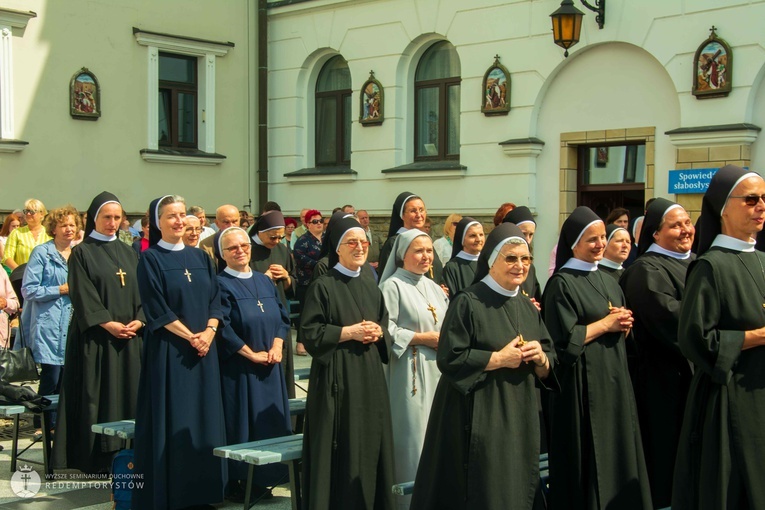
(87, 494)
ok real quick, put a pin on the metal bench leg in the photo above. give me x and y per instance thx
(297, 499)
(248, 489)
(15, 446)
(47, 445)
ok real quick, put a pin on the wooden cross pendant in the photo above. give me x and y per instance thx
(432, 309)
(121, 274)
(261, 306)
(187, 275)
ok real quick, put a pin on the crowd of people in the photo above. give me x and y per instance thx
(638, 368)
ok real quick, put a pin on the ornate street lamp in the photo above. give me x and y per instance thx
(567, 22)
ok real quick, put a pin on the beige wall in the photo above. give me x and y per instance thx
(70, 161)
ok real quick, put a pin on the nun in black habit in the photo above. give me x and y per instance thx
(180, 416)
(273, 259)
(322, 266)
(721, 455)
(654, 287)
(521, 216)
(409, 212)
(618, 247)
(103, 351)
(348, 441)
(481, 447)
(459, 272)
(596, 455)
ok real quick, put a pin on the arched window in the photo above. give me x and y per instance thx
(333, 113)
(437, 104)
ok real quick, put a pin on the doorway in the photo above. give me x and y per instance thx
(611, 176)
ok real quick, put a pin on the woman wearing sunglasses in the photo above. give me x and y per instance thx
(307, 253)
(721, 454)
(250, 349)
(24, 239)
(348, 442)
(481, 447)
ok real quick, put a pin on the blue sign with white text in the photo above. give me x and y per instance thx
(690, 181)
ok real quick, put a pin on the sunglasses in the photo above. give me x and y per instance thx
(316, 222)
(245, 247)
(354, 243)
(511, 260)
(276, 238)
(751, 200)
(29, 211)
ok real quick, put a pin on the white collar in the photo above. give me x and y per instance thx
(655, 248)
(238, 274)
(580, 265)
(609, 263)
(401, 230)
(98, 236)
(256, 240)
(347, 272)
(499, 289)
(723, 241)
(466, 256)
(172, 247)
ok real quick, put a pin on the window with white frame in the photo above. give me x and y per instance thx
(333, 113)
(9, 19)
(181, 98)
(437, 104)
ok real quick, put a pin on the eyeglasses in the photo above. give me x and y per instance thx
(354, 243)
(245, 247)
(276, 238)
(511, 260)
(194, 230)
(29, 211)
(751, 200)
(316, 222)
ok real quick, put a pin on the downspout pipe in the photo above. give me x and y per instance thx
(262, 105)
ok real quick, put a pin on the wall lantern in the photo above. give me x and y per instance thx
(567, 22)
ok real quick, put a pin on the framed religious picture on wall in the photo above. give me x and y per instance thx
(84, 95)
(372, 100)
(601, 159)
(712, 68)
(496, 90)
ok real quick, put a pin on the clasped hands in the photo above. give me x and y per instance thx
(366, 332)
(122, 331)
(276, 272)
(619, 319)
(512, 355)
(202, 341)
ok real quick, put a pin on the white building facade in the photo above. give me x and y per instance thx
(177, 101)
(603, 127)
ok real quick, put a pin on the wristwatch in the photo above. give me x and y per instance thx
(213, 328)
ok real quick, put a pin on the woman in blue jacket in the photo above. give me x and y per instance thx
(47, 307)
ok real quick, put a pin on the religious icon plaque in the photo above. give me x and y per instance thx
(712, 68)
(84, 96)
(496, 90)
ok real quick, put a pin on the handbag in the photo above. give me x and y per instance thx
(18, 365)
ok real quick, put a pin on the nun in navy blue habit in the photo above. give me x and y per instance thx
(180, 411)
(250, 342)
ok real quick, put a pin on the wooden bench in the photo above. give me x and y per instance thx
(286, 449)
(125, 429)
(15, 411)
(406, 488)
